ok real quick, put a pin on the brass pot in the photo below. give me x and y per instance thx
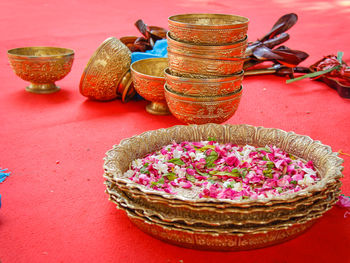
(202, 86)
(148, 79)
(208, 29)
(41, 66)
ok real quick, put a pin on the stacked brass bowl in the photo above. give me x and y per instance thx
(205, 52)
(219, 224)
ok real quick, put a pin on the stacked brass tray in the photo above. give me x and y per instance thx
(217, 224)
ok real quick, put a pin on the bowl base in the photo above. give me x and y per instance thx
(42, 88)
(158, 108)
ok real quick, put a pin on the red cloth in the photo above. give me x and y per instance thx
(54, 205)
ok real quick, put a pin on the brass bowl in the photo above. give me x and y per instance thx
(205, 60)
(208, 29)
(200, 110)
(107, 74)
(225, 52)
(197, 85)
(148, 79)
(41, 66)
(181, 63)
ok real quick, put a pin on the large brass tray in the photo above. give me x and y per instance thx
(220, 224)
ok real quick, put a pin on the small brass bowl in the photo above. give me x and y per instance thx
(107, 75)
(41, 66)
(208, 29)
(201, 110)
(148, 79)
(228, 51)
(197, 85)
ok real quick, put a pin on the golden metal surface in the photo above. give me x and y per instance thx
(233, 50)
(230, 228)
(200, 110)
(223, 218)
(148, 79)
(181, 63)
(203, 86)
(314, 212)
(41, 66)
(212, 29)
(106, 71)
(219, 242)
(212, 224)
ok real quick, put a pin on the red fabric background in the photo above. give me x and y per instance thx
(54, 205)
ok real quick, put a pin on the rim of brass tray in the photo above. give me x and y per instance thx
(235, 218)
(219, 208)
(331, 174)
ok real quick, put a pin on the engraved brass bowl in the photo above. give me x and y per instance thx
(186, 219)
(229, 51)
(107, 74)
(148, 79)
(222, 60)
(41, 66)
(200, 110)
(181, 63)
(197, 85)
(208, 29)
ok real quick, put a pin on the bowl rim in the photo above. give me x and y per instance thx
(134, 71)
(334, 163)
(172, 21)
(232, 45)
(215, 79)
(70, 52)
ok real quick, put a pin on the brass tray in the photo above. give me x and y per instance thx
(327, 163)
